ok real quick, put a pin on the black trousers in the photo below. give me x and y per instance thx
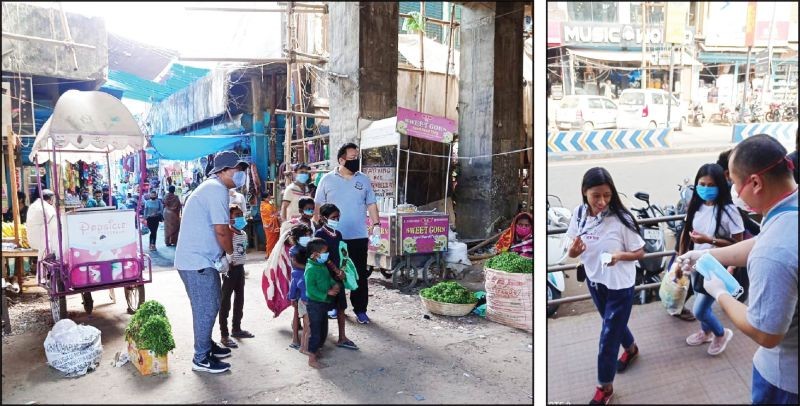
(233, 283)
(152, 224)
(318, 318)
(359, 298)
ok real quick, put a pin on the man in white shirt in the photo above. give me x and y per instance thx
(42, 212)
(238, 199)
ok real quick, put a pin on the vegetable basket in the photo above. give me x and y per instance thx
(447, 309)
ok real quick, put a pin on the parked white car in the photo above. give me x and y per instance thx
(647, 108)
(586, 112)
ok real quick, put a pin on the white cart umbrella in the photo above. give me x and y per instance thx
(85, 123)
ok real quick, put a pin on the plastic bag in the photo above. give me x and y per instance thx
(73, 349)
(349, 268)
(673, 292)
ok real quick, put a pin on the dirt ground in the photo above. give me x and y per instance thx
(403, 357)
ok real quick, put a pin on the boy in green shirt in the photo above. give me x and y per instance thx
(320, 289)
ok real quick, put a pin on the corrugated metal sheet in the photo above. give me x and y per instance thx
(204, 99)
(137, 88)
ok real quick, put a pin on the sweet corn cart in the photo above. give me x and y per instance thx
(98, 248)
(407, 158)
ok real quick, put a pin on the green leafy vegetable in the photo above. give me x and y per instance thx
(156, 335)
(511, 262)
(149, 329)
(449, 292)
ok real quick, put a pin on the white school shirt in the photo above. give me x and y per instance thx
(610, 236)
(705, 219)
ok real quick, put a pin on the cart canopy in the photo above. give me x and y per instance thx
(85, 123)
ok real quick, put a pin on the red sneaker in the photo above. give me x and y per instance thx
(626, 359)
(601, 397)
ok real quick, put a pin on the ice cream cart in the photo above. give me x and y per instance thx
(407, 157)
(98, 248)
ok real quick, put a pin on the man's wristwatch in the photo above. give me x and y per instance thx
(714, 241)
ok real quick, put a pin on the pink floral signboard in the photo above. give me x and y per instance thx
(425, 126)
(103, 247)
(422, 234)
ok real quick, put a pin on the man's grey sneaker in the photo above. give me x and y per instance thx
(211, 364)
(218, 351)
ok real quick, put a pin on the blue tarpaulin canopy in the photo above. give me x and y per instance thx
(190, 147)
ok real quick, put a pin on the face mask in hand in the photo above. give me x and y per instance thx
(239, 223)
(239, 179)
(323, 258)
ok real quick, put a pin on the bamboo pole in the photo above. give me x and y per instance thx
(256, 10)
(300, 114)
(46, 40)
(421, 103)
(287, 141)
(247, 60)
(12, 172)
(431, 19)
(449, 52)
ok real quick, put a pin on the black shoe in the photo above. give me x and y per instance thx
(218, 351)
(211, 364)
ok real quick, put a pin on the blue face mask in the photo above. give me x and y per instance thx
(302, 177)
(333, 224)
(303, 241)
(239, 223)
(308, 212)
(323, 258)
(707, 193)
(239, 178)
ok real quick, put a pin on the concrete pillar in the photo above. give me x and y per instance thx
(363, 66)
(490, 117)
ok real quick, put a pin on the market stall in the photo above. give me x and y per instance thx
(407, 158)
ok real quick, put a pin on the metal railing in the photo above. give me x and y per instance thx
(567, 267)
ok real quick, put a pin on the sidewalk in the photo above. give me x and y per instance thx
(667, 370)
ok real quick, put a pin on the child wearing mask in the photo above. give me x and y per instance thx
(300, 235)
(233, 282)
(329, 216)
(320, 288)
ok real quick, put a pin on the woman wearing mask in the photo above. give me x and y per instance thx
(154, 214)
(712, 221)
(172, 217)
(519, 237)
(606, 238)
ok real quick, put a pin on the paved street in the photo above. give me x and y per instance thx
(667, 371)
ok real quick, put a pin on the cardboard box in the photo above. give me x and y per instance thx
(146, 362)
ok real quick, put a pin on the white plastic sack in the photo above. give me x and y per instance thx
(673, 292)
(73, 349)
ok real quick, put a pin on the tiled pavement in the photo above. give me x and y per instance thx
(667, 370)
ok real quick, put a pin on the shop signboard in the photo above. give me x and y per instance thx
(727, 24)
(425, 126)
(103, 236)
(675, 24)
(591, 34)
(383, 179)
(422, 234)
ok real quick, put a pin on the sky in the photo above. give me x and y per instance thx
(191, 33)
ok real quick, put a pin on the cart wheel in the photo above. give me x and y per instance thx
(404, 276)
(88, 302)
(58, 304)
(434, 271)
(386, 273)
(135, 297)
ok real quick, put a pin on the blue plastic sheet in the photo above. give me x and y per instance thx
(190, 147)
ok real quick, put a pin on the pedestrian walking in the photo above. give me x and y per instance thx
(172, 217)
(204, 250)
(711, 221)
(351, 190)
(606, 238)
(154, 215)
(233, 282)
(762, 178)
(320, 289)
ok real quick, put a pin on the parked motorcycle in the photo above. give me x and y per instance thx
(649, 270)
(789, 112)
(756, 113)
(557, 248)
(725, 114)
(696, 115)
(773, 113)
